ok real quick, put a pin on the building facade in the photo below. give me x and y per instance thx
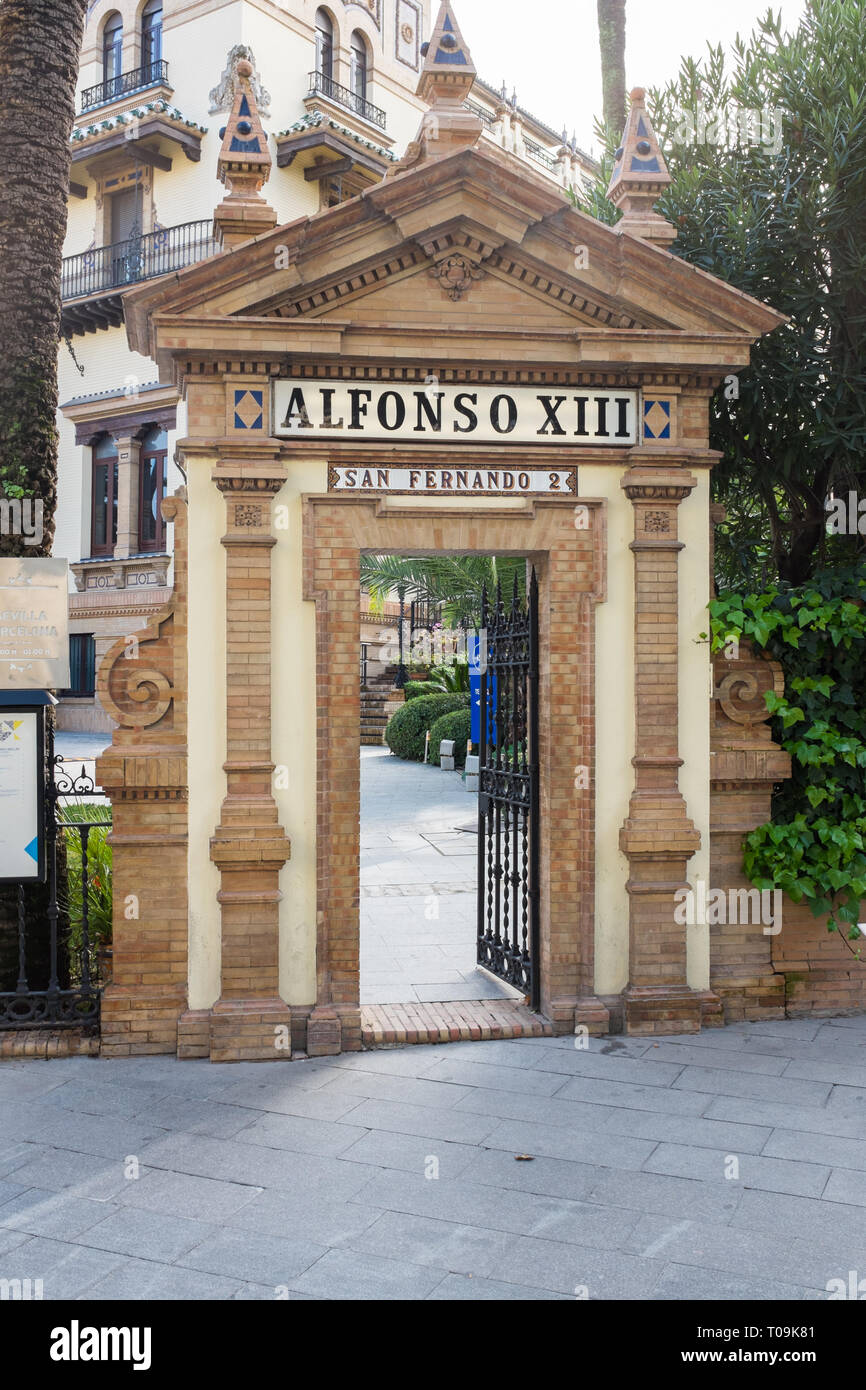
(335, 90)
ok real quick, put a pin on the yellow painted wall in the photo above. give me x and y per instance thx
(694, 698)
(614, 696)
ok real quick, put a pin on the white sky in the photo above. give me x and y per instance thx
(548, 49)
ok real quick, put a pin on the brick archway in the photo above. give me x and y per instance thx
(567, 546)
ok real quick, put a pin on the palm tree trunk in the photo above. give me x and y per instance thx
(40, 41)
(611, 35)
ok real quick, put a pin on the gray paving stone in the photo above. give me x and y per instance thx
(427, 1121)
(102, 1097)
(67, 1270)
(550, 1177)
(411, 1153)
(350, 1087)
(728, 1059)
(295, 1217)
(808, 1218)
(819, 1148)
(663, 1195)
(146, 1280)
(608, 1068)
(707, 1286)
(256, 1166)
(463, 1288)
(846, 1185)
(444, 1244)
(551, 1141)
(549, 1110)
(10, 1240)
(814, 1262)
(300, 1135)
(469, 1204)
(841, 1071)
(616, 1093)
(711, 1246)
(59, 1215)
(188, 1116)
(689, 1129)
(100, 1135)
(817, 1119)
(149, 1235)
(769, 1174)
(345, 1274)
(180, 1194)
(569, 1269)
(8, 1190)
(495, 1078)
(791, 1091)
(97, 1178)
(14, 1155)
(253, 1258)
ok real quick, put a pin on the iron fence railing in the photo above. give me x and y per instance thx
(106, 268)
(151, 75)
(324, 86)
(59, 961)
(540, 155)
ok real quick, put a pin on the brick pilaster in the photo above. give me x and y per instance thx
(249, 846)
(657, 837)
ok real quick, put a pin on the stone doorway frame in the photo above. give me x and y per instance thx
(566, 541)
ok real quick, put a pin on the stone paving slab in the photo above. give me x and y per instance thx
(501, 1171)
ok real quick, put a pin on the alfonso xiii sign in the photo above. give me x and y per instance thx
(309, 409)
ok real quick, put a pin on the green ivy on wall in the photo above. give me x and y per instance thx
(814, 848)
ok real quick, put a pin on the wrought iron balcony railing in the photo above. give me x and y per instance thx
(107, 268)
(324, 86)
(151, 75)
(540, 155)
(486, 117)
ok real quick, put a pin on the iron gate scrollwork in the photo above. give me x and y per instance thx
(508, 801)
(58, 982)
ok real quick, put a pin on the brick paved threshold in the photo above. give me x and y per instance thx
(48, 1042)
(481, 1020)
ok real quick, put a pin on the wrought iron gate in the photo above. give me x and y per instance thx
(508, 822)
(59, 974)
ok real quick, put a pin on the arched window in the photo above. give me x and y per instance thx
(103, 499)
(112, 48)
(359, 67)
(151, 34)
(152, 470)
(324, 44)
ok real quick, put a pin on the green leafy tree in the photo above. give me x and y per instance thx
(455, 581)
(815, 846)
(767, 154)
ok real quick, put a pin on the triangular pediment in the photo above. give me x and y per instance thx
(469, 239)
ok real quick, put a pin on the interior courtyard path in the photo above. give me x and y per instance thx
(418, 876)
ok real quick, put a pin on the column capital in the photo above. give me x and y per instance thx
(664, 482)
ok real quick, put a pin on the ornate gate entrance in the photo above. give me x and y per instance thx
(508, 803)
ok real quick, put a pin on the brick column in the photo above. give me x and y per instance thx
(658, 837)
(249, 846)
(128, 454)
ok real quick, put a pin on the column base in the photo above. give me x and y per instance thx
(137, 1021)
(656, 1009)
(333, 1029)
(585, 1011)
(250, 1030)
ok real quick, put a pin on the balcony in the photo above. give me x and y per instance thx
(323, 86)
(92, 283)
(541, 156)
(152, 75)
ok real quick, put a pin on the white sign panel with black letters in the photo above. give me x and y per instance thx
(310, 408)
(455, 482)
